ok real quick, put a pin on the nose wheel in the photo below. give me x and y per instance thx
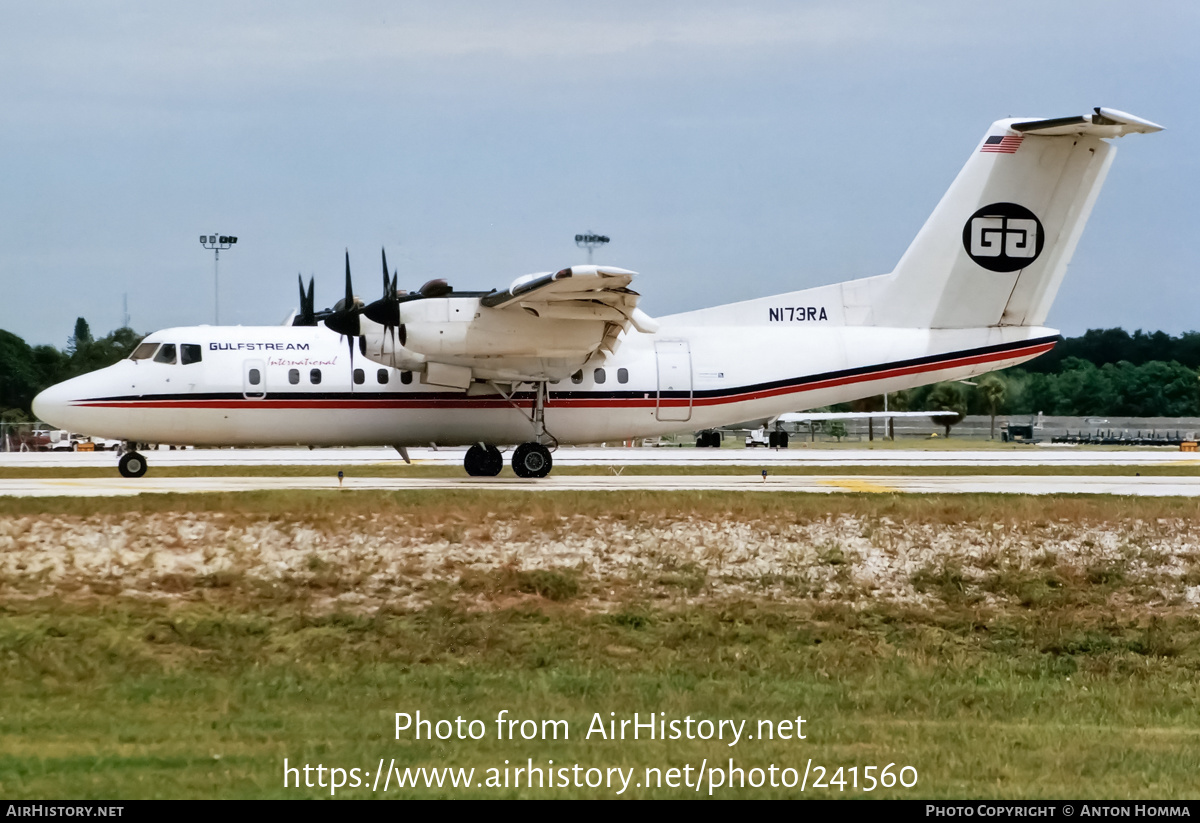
(483, 461)
(131, 464)
(531, 460)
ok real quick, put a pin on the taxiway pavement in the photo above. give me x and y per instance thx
(664, 456)
(753, 461)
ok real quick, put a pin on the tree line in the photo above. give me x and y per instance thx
(25, 370)
(1104, 372)
(1102, 347)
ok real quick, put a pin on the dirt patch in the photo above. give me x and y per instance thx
(367, 561)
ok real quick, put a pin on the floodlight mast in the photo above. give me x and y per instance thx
(216, 242)
(590, 241)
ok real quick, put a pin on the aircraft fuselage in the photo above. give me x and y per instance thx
(284, 385)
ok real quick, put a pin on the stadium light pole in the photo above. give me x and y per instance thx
(216, 242)
(590, 241)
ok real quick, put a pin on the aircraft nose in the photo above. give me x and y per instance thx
(53, 405)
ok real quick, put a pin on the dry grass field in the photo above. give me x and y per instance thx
(1002, 646)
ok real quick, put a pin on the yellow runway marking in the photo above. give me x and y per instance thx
(855, 485)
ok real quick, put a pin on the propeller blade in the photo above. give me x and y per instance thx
(383, 252)
(307, 314)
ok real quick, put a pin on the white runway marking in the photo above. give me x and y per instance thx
(880, 484)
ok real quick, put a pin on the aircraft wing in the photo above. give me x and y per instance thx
(544, 326)
(587, 293)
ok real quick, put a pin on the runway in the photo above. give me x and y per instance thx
(753, 461)
(664, 456)
(879, 484)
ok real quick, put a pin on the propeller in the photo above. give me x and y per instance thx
(344, 318)
(386, 310)
(308, 314)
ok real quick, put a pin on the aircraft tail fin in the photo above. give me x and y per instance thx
(996, 248)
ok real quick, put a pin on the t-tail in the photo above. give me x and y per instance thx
(996, 248)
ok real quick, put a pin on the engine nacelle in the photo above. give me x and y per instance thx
(460, 327)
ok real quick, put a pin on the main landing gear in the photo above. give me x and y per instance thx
(131, 464)
(483, 460)
(531, 460)
(528, 459)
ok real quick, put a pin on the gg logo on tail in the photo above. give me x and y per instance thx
(1003, 237)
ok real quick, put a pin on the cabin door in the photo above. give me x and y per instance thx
(674, 380)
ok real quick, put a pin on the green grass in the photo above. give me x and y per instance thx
(127, 700)
(342, 508)
(1034, 680)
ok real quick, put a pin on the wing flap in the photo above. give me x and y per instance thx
(594, 281)
(582, 293)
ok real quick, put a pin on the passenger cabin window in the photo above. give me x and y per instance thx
(143, 351)
(254, 377)
(598, 374)
(622, 375)
(166, 354)
(189, 353)
(360, 377)
(314, 376)
(577, 377)
(293, 376)
(406, 377)
(381, 377)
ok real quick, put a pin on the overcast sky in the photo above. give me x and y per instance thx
(730, 150)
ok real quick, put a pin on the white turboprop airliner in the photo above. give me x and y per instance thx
(567, 357)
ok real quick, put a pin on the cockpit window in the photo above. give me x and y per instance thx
(166, 354)
(143, 351)
(189, 353)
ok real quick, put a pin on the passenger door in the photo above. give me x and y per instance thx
(674, 380)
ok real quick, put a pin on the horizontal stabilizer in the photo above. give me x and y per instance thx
(1103, 123)
(805, 417)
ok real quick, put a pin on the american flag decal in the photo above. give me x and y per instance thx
(1003, 144)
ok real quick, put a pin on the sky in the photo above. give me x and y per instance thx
(729, 150)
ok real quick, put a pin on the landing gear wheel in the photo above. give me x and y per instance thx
(779, 440)
(132, 464)
(531, 460)
(483, 461)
